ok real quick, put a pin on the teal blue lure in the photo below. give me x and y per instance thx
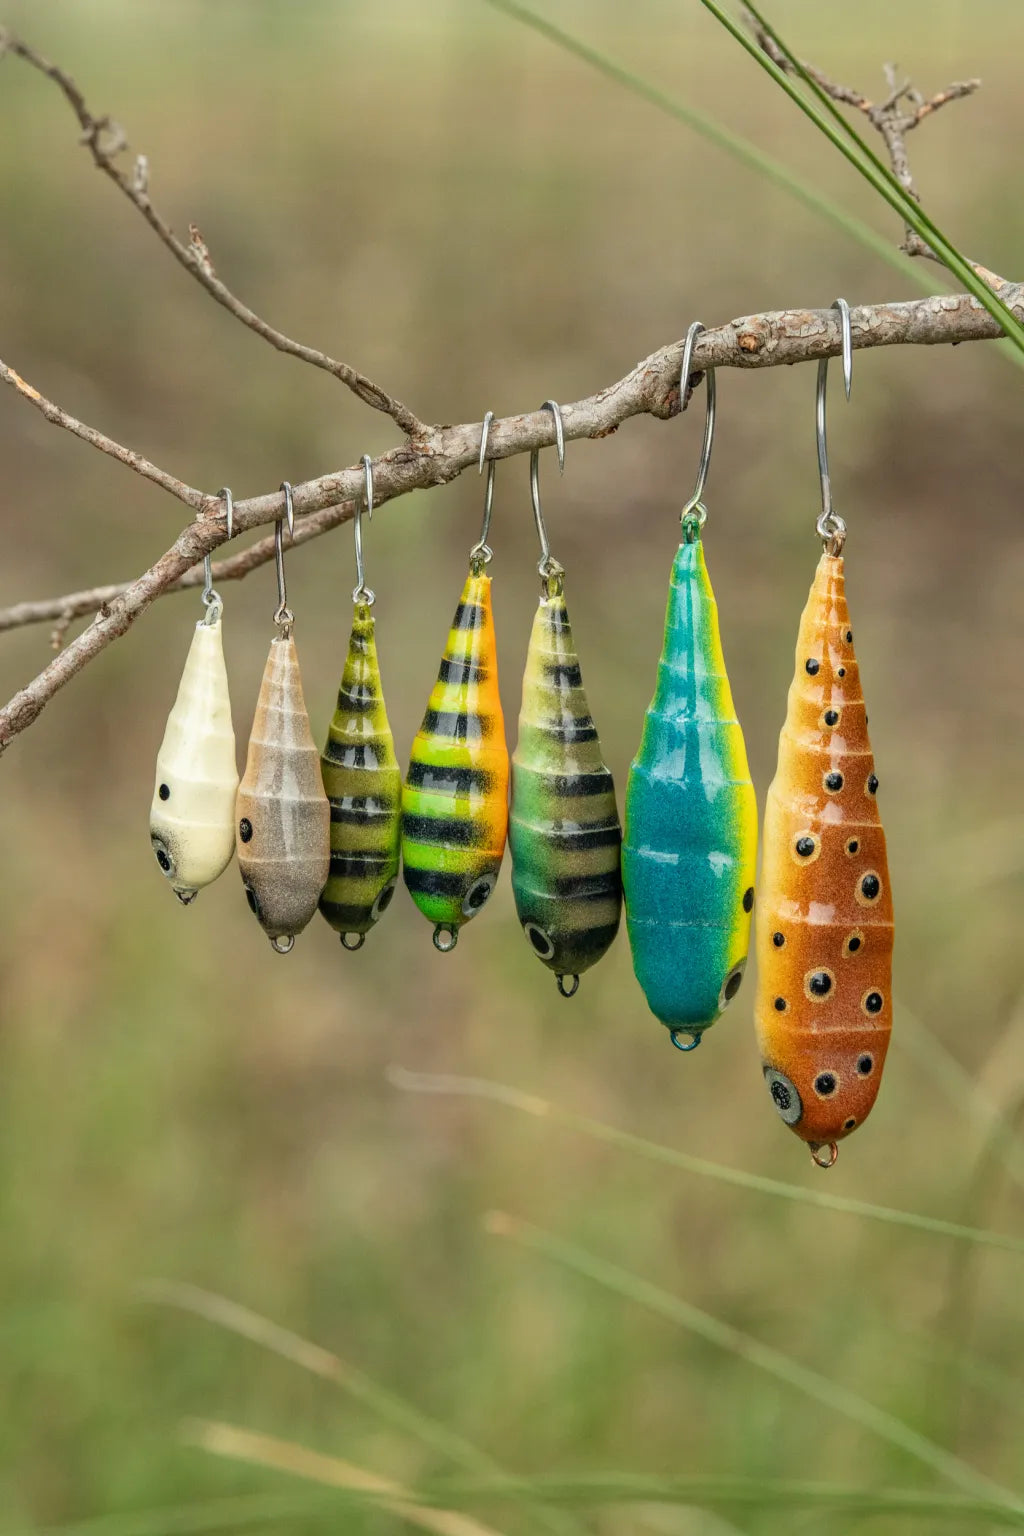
(690, 842)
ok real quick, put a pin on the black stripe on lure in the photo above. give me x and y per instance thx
(563, 834)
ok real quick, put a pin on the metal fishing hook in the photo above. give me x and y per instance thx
(363, 594)
(482, 553)
(283, 618)
(830, 526)
(212, 601)
(695, 514)
(548, 567)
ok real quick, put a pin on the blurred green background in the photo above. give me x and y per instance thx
(478, 221)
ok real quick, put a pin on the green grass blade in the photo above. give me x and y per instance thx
(199, 1519)
(501, 1093)
(882, 180)
(735, 144)
(392, 1409)
(765, 1357)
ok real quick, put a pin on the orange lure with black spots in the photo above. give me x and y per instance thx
(824, 910)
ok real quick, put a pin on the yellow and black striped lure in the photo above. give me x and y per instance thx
(564, 834)
(361, 777)
(455, 797)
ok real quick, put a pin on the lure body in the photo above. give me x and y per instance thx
(455, 797)
(364, 787)
(191, 819)
(564, 832)
(691, 820)
(282, 818)
(825, 928)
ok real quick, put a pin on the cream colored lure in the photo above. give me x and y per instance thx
(191, 820)
(282, 816)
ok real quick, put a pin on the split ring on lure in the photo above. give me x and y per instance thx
(690, 842)
(282, 818)
(361, 775)
(825, 926)
(455, 796)
(191, 819)
(563, 834)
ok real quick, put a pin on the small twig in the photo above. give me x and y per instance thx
(105, 140)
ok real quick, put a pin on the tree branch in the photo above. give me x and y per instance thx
(105, 141)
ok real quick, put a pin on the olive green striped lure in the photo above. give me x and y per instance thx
(564, 834)
(361, 777)
(455, 797)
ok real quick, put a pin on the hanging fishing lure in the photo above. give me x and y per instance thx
(191, 819)
(825, 925)
(361, 775)
(690, 842)
(563, 831)
(455, 796)
(282, 818)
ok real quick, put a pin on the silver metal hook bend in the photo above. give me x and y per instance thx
(481, 553)
(229, 510)
(695, 506)
(830, 527)
(363, 594)
(283, 618)
(546, 565)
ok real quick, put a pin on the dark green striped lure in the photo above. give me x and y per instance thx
(455, 797)
(564, 833)
(361, 776)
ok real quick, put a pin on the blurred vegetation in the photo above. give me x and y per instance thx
(477, 220)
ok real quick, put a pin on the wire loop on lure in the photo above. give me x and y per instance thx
(445, 938)
(212, 601)
(283, 617)
(830, 527)
(481, 554)
(362, 593)
(824, 1153)
(676, 1036)
(573, 984)
(549, 568)
(694, 515)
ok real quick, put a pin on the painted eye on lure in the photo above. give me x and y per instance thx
(690, 841)
(191, 819)
(282, 816)
(455, 796)
(564, 834)
(361, 776)
(832, 971)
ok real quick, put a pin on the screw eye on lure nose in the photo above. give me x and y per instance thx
(564, 834)
(191, 819)
(690, 841)
(361, 774)
(282, 818)
(824, 925)
(455, 796)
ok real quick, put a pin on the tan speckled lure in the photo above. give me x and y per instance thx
(824, 911)
(282, 815)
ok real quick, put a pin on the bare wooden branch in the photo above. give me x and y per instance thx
(105, 141)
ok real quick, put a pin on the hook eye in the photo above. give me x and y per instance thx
(481, 553)
(830, 527)
(695, 503)
(283, 617)
(362, 593)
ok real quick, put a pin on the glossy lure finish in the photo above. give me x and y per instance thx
(455, 797)
(282, 818)
(364, 786)
(191, 819)
(564, 832)
(825, 926)
(690, 842)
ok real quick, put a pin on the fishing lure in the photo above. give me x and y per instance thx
(282, 818)
(563, 832)
(690, 842)
(191, 819)
(361, 776)
(455, 796)
(825, 925)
